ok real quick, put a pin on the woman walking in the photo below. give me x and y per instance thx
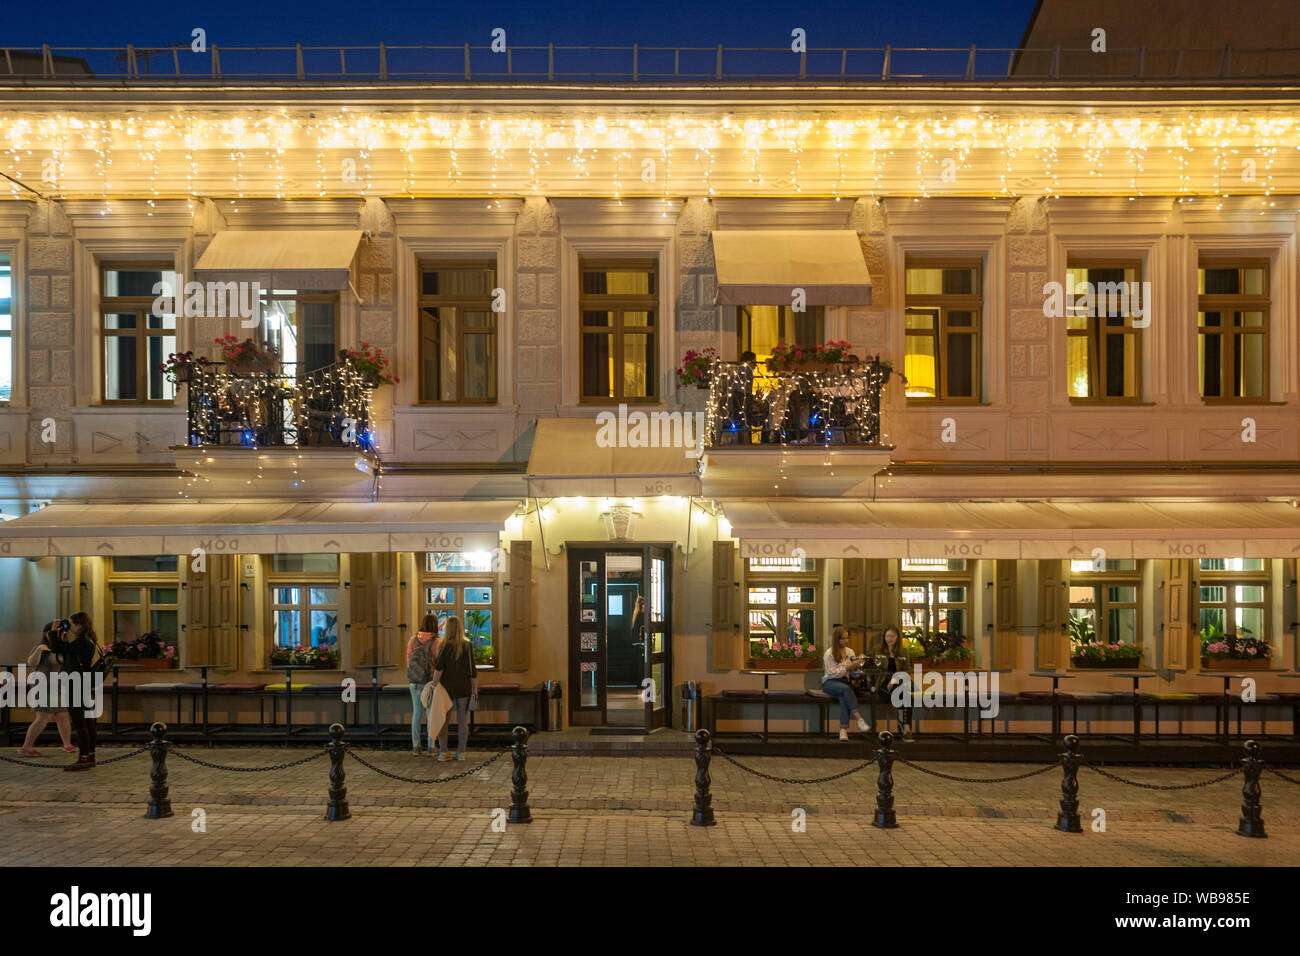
(45, 660)
(839, 662)
(420, 652)
(454, 670)
(79, 659)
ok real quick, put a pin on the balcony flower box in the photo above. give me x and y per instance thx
(783, 663)
(1235, 663)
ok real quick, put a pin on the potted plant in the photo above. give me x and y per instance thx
(795, 653)
(371, 364)
(149, 651)
(247, 357)
(179, 368)
(1118, 656)
(478, 628)
(1232, 651)
(304, 655)
(816, 358)
(697, 368)
(948, 651)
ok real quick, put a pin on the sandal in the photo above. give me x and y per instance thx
(29, 753)
(69, 750)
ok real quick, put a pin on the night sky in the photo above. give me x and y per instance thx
(73, 23)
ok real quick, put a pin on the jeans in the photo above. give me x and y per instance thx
(462, 727)
(417, 716)
(842, 692)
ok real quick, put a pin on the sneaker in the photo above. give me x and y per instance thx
(460, 756)
(844, 733)
(864, 726)
(444, 757)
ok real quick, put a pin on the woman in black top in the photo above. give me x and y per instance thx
(79, 658)
(45, 659)
(454, 670)
(895, 660)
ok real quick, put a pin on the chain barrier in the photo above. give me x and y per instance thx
(1161, 786)
(767, 776)
(1277, 773)
(397, 776)
(948, 776)
(217, 766)
(60, 766)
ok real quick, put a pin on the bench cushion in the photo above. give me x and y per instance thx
(1170, 695)
(1045, 695)
(161, 687)
(282, 687)
(235, 688)
(497, 688)
(1094, 697)
(786, 694)
(192, 685)
(737, 694)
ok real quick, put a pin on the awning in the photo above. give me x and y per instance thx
(575, 458)
(838, 529)
(255, 528)
(763, 267)
(299, 259)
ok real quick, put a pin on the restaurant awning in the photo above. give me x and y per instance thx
(1183, 529)
(575, 458)
(763, 267)
(255, 528)
(299, 259)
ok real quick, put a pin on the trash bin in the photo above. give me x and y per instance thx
(690, 705)
(554, 704)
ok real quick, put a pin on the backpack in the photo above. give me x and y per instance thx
(419, 669)
(102, 661)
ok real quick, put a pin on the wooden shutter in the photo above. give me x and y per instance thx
(517, 652)
(724, 627)
(386, 622)
(223, 609)
(1006, 614)
(880, 612)
(361, 614)
(196, 639)
(853, 594)
(1176, 638)
(1052, 612)
(68, 571)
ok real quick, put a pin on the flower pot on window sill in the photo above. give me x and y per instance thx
(952, 665)
(184, 374)
(1113, 663)
(1235, 663)
(783, 663)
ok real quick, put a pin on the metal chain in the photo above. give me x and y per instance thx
(1283, 776)
(1162, 786)
(948, 776)
(768, 776)
(217, 766)
(397, 776)
(60, 766)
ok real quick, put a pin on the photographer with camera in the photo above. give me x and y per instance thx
(79, 654)
(44, 659)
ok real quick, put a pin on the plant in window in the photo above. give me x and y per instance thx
(326, 655)
(788, 358)
(478, 628)
(149, 646)
(798, 648)
(180, 367)
(247, 356)
(913, 648)
(697, 368)
(1081, 630)
(371, 363)
(1234, 646)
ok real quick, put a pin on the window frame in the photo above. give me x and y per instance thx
(943, 304)
(933, 579)
(781, 580)
(1230, 580)
(304, 581)
(1099, 581)
(459, 304)
(618, 304)
(461, 580)
(1229, 303)
(1099, 396)
(145, 580)
(142, 306)
(744, 320)
(300, 297)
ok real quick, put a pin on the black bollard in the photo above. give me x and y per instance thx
(337, 807)
(519, 812)
(1067, 821)
(160, 804)
(885, 817)
(1252, 821)
(703, 815)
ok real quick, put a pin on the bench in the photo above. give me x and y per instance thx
(823, 701)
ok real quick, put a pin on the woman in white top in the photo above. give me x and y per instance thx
(840, 661)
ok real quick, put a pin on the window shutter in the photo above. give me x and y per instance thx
(1006, 613)
(362, 609)
(853, 594)
(724, 629)
(1051, 615)
(223, 609)
(1177, 614)
(517, 652)
(387, 619)
(68, 571)
(198, 614)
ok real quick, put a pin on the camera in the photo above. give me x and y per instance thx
(61, 627)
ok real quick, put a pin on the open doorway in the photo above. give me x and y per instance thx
(620, 636)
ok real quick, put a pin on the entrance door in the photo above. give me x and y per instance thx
(620, 632)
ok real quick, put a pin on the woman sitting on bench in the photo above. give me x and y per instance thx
(839, 662)
(895, 661)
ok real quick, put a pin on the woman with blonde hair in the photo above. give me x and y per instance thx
(838, 663)
(454, 671)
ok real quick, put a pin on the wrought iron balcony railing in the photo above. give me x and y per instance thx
(817, 404)
(284, 405)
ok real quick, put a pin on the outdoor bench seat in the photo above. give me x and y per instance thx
(282, 687)
(748, 695)
(235, 688)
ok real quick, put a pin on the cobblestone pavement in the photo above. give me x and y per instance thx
(622, 811)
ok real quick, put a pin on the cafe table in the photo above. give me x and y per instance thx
(203, 679)
(374, 694)
(1227, 701)
(767, 676)
(1137, 697)
(1056, 677)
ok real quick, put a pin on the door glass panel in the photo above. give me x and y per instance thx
(661, 692)
(658, 590)
(589, 583)
(589, 695)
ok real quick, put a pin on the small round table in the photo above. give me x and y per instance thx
(1056, 676)
(766, 675)
(1137, 699)
(1227, 679)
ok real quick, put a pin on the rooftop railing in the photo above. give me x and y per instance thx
(637, 64)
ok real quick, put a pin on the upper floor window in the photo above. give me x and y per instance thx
(763, 327)
(136, 341)
(1232, 329)
(1103, 348)
(6, 331)
(458, 333)
(619, 301)
(303, 327)
(943, 302)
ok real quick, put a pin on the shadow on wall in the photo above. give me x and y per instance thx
(32, 585)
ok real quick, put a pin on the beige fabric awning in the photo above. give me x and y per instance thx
(839, 529)
(298, 259)
(764, 267)
(574, 458)
(255, 528)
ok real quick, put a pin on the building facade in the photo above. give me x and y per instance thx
(1066, 414)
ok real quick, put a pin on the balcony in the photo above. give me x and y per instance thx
(816, 421)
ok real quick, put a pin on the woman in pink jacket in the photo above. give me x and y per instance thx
(421, 651)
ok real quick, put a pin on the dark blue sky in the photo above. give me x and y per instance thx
(64, 23)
